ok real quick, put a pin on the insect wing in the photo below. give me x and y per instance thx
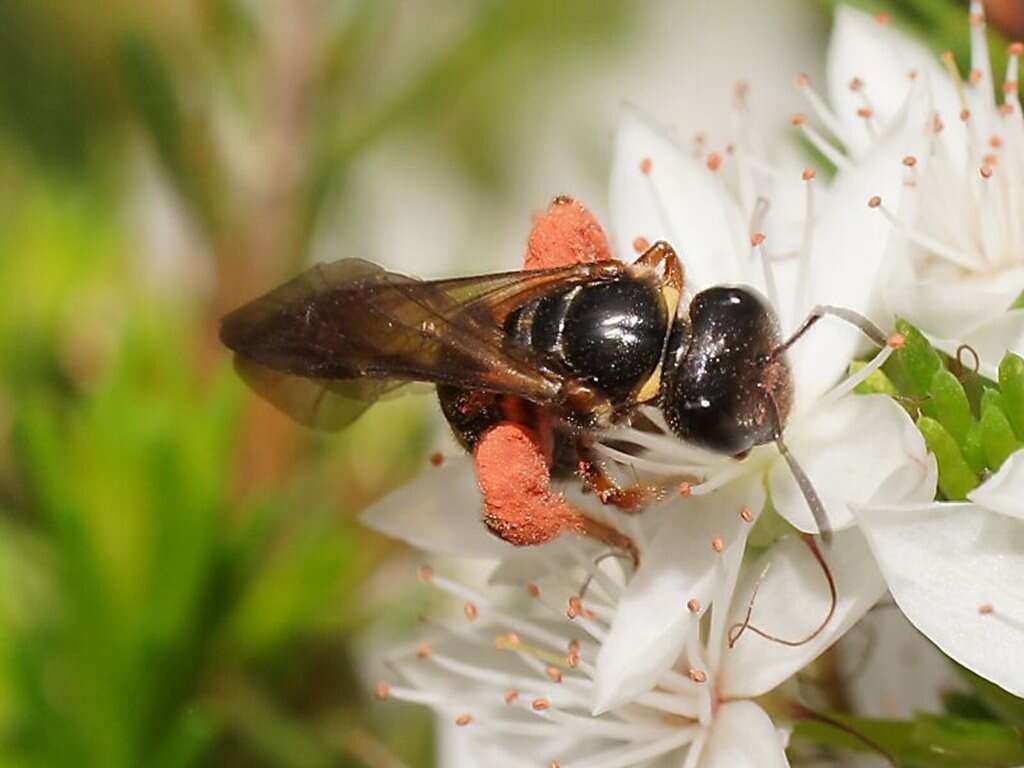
(353, 330)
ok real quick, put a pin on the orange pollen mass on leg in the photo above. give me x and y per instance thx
(513, 473)
(566, 234)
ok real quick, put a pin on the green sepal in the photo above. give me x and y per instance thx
(918, 358)
(956, 478)
(973, 450)
(875, 384)
(997, 437)
(1011, 384)
(950, 404)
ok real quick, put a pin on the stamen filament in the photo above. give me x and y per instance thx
(928, 243)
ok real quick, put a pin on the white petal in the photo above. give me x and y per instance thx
(947, 566)
(439, 511)
(1004, 491)
(883, 58)
(678, 200)
(991, 340)
(792, 601)
(846, 264)
(651, 621)
(849, 450)
(743, 736)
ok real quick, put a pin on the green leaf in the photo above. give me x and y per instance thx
(1011, 385)
(996, 700)
(925, 742)
(951, 406)
(956, 478)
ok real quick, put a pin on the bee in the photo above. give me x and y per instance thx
(565, 353)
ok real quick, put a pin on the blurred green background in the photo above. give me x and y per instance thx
(182, 581)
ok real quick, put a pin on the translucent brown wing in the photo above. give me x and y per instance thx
(325, 345)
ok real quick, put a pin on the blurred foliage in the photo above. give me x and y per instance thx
(184, 582)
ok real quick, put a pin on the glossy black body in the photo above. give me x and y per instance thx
(610, 336)
(719, 372)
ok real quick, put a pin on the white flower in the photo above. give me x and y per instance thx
(956, 262)
(954, 266)
(848, 444)
(853, 447)
(534, 686)
(955, 570)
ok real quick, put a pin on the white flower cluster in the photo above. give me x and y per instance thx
(602, 666)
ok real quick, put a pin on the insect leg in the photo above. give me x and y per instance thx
(519, 504)
(663, 253)
(631, 499)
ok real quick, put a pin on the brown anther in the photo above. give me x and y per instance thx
(426, 573)
(554, 764)
(573, 659)
(937, 125)
(808, 174)
(511, 696)
(985, 609)
(1010, 86)
(714, 161)
(1016, 48)
(383, 690)
(874, 201)
(575, 607)
(883, 18)
(1006, 109)
(464, 720)
(897, 341)
(741, 89)
(985, 171)
(865, 112)
(912, 74)
(976, 19)
(532, 590)
(747, 515)
(856, 84)
(646, 165)
(507, 642)
(974, 76)
(424, 651)
(539, 705)
(698, 675)
(730, 148)
(641, 244)
(799, 119)
(685, 489)
(554, 673)
(996, 141)
(965, 115)
(471, 611)
(717, 544)
(803, 80)
(757, 238)
(437, 458)
(910, 161)
(693, 605)
(992, 160)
